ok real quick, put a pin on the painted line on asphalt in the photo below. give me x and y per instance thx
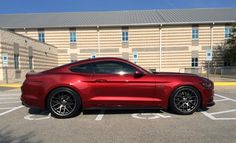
(11, 110)
(220, 100)
(10, 102)
(211, 115)
(6, 98)
(214, 118)
(221, 96)
(100, 116)
(149, 116)
(9, 95)
(225, 83)
(6, 108)
(222, 112)
(11, 85)
(32, 117)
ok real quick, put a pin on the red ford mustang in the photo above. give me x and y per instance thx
(113, 83)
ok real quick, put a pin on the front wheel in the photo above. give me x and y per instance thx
(63, 103)
(185, 100)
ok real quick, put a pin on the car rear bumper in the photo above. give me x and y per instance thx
(30, 97)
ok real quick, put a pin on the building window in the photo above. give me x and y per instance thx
(16, 61)
(226, 64)
(195, 33)
(228, 32)
(194, 62)
(125, 36)
(72, 36)
(41, 36)
(31, 62)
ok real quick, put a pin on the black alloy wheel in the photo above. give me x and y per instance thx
(64, 103)
(185, 100)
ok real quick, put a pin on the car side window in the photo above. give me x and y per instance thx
(113, 67)
(84, 68)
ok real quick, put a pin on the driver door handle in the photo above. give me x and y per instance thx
(100, 80)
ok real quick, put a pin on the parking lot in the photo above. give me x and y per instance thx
(216, 124)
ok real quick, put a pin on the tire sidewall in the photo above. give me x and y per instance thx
(173, 107)
(77, 109)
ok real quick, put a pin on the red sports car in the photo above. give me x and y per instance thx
(113, 83)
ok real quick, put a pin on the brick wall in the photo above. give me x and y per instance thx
(44, 55)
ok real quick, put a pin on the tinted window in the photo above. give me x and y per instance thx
(85, 68)
(111, 67)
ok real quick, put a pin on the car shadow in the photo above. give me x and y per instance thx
(121, 111)
(35, 111)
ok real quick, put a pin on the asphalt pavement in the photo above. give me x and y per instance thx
(217, 124)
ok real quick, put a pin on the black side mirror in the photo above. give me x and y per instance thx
(138, 74)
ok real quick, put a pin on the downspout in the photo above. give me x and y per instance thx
(98, 40)
(160, 39)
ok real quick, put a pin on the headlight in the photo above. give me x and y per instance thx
(207, 83)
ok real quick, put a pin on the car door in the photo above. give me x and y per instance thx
(114, 85)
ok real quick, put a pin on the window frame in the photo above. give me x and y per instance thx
(16, 61)
(119, 62)
(41, 36)
(228, 31)
(73, 37)
(82, 64)
(194, 62)
(125, 37)
(195, 33)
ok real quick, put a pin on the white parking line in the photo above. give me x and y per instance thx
(222, 112)
(214, 118)
(210, 115)
(5, 108)
(149, 116)
(225, 97)
(220, 100)
(9, 98)
(13, 109)
(7, 95)
(100, 115)
(10, 102)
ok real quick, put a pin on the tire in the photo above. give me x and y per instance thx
(185, 100)
(64, 103)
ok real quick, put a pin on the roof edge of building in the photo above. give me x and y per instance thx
(27, 37)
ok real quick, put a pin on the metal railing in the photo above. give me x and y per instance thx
(229, 71)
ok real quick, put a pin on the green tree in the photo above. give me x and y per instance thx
(230, 48)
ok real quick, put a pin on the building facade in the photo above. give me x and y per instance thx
(24, 55)
(161, 40)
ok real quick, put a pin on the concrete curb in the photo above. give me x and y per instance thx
(217, 83)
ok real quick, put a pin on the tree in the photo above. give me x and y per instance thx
(230, 48)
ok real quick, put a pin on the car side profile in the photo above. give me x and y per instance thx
(112, 83)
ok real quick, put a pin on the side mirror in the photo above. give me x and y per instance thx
(138, 74)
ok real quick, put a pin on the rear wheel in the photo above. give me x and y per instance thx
(64, 103)
(185, 100)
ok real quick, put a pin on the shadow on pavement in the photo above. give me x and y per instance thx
(41, 112)
(36, 111)
(122, 111)
(8, 136)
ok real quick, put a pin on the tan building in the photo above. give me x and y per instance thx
(162, 40)
(24, 55)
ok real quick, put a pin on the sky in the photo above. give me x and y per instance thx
(45, 6)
